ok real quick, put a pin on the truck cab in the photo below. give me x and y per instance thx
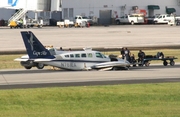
(163, 18)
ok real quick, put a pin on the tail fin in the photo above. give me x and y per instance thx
(34, 47)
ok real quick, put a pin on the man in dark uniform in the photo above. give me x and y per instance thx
(141, 56)
(122, 53)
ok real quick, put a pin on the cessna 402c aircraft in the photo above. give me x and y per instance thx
(88, 59)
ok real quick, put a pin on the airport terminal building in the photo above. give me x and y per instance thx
(100, 10)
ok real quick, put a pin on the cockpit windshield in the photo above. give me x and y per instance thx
(100, 55)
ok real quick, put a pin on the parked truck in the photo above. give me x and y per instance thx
(166, 18)
(130, 19)
(66, 23)
(79, 19)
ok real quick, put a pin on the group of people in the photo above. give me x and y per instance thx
(61, 49)
(126, 54)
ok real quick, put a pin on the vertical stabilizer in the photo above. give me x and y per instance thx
(34, 47)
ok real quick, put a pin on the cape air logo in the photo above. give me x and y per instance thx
(12, 2)
(43, 53)
(36, 53)
(31, 41)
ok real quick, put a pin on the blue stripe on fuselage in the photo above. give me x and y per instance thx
(81, 61)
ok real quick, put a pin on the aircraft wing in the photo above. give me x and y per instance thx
(111, 64)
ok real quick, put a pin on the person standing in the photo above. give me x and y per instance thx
(61, 49)
(127, 54)
(141, 56)
(122, 53)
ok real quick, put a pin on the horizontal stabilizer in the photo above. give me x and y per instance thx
(20, 59)
(43, 60)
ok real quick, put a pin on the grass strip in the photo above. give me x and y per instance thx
(136, 100)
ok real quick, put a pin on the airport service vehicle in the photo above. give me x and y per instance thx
(34, 23)
(165, 18)
(66, 23)
(159, 57)
(79, 19)
(69, 60)
(130, 19)
(29, 23)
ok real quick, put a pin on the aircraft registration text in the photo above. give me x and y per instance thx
(68, 64)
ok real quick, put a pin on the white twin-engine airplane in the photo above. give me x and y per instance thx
(88, 59)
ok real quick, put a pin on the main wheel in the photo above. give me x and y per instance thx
(27, 67)
(132, 22)
(172, 63)
(165, 63)
(114, 68)
(40, 66)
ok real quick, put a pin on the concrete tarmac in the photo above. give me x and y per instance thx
(48, 78)
(114, 36)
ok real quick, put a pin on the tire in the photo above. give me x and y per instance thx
(146, 64)
(165, 63)
(172, 63)
(114, 68)
(27, 67)
(140, 64)
(39, 26)
(40, 65)
(132, 22)
(118, 22)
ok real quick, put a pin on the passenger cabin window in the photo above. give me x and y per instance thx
(90, 55)
(99, 55)
(67, 56)
(72, 55)
(83, 55)
(77, 55)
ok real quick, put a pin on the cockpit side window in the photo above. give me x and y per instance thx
(104, 56)
(83, 55)
(99, 55)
